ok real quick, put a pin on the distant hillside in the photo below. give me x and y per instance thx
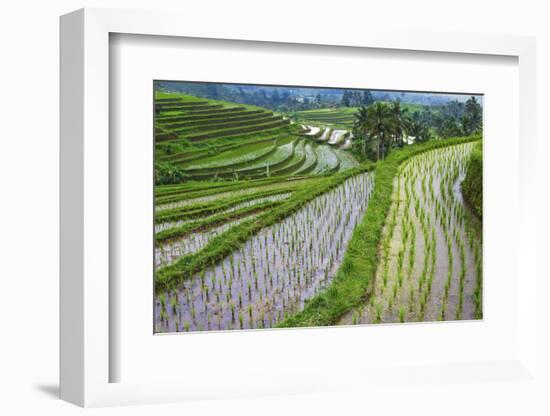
(284, 98)
(200, 139)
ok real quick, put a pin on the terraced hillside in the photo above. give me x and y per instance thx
(343, 117)
(244, 256)
(199, 139)
(431, 251)
(261, 222)
(416, 255)
(335, 117)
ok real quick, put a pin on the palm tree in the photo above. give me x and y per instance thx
(471, 120)
(401, 123)
(419, 131)
(359, 128)
(375, 125)
(378, 126)
(417, 128)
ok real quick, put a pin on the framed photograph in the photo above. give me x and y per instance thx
(261, 206)
(254, 226)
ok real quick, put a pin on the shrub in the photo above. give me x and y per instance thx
(166, 174)
(472, 186)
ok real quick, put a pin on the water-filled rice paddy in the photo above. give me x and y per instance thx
(275, 272)
(222, 263)
(431, 265)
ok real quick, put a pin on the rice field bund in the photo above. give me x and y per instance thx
(265, 220)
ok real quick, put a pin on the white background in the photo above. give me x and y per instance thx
(137, 60)
(29, 172)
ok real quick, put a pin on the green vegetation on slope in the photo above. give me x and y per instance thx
(219, 247)
(337, 117)
(353, 282)
(197, 189)
(472, 186)
(201, 209)
(212, 140)
(247, 205)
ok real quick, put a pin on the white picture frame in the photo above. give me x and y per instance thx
(85, 354)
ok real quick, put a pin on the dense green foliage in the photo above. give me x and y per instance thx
(380, 127)
(452, 119)
(354, 279)
(167, 173)
(351, 98)
(472, 186)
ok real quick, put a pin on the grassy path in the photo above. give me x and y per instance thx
(430, 266)
(235, 237)
(274, 273)
(354, 283)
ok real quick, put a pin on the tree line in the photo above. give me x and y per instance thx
(355, 98)
(381, 126)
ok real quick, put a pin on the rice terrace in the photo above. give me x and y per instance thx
(282, 206)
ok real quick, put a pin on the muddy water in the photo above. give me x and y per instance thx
(276, 271)
(325, 136)
(432, 248)
(312, 131)
(171, 224)
(170, 252)
(336, 136)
